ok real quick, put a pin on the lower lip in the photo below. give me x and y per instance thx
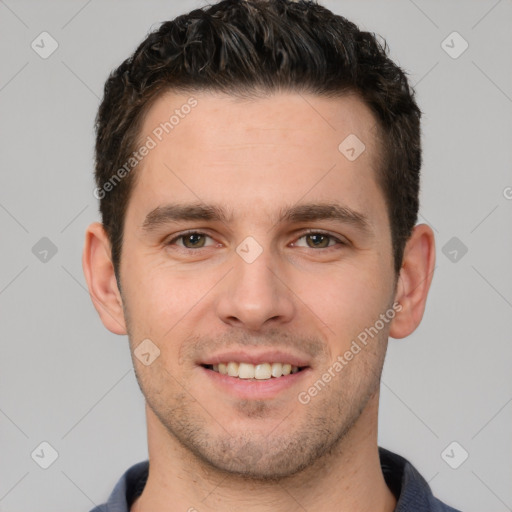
(253, 389)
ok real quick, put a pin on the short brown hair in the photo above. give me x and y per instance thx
(240, 47)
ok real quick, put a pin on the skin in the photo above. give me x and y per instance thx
(209, 447)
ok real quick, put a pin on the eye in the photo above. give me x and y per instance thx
(318, 240)
(190, 240)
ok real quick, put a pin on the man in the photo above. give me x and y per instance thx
(257, 165)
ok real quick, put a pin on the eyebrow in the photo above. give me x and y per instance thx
(162, 215)
(183, 212)
(325, 211)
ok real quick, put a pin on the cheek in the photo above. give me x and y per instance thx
(347, 301)
(157, 299)
(168, 305)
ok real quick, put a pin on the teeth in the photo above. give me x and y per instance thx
(246, 371)
(277, 369)
(262, 371)
(233, 369)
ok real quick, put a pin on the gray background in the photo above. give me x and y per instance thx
(66, 380)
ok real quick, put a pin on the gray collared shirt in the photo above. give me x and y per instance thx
(412, 492)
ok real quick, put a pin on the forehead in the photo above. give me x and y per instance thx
(221, 149)
(307, 120)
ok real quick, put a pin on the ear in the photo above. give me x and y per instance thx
(414, 281)
(101, 279)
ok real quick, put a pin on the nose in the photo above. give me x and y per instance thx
(255, 294)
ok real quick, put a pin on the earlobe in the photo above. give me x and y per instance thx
(101, 279)
(414, 281)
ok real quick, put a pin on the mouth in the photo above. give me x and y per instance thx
(249, 371)
(264, 374)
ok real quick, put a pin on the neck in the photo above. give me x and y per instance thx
(347, 479)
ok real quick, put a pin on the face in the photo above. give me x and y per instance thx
(253, 245)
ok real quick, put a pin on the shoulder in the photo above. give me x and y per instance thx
(129, 487)
(410, 488)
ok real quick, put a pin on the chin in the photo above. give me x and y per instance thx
(264, 459)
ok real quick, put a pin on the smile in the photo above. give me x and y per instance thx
(263, 371)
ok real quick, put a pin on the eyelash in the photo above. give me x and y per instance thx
(303, 234)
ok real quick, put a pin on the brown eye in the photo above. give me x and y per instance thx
(193, 240)
(318, 240)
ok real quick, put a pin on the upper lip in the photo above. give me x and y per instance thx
(255, 357)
